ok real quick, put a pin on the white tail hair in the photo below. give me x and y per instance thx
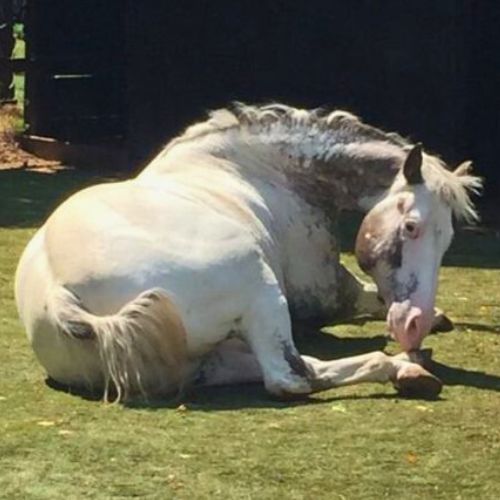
(142, 347)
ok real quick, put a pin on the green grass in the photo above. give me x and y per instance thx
(19, 80)
(19, 52)
(351, 443)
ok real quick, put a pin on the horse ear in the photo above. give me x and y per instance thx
(464, 168)
(412, 169)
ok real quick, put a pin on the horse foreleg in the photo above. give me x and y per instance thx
(360, 298)
(266, 328)
(286, 373)
(408, 377)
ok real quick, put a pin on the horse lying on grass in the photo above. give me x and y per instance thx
(191, 272)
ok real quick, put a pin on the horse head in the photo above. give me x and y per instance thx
(401, 242)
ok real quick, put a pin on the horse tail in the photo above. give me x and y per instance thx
(142, 347)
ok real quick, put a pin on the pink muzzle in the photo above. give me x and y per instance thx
(409, 324)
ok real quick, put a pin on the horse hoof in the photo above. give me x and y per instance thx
(442, 323)
(413, 381)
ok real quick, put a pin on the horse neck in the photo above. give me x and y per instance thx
(331, 170)
(326, 169)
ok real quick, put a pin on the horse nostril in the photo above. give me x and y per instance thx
(412, 326)
(411, 229)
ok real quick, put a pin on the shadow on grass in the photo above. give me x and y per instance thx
(329, 346)
(226, 397)
(466, 378)
(247, 396)
(319, 344)
(27, 197)
(83, 393)
(480, 327)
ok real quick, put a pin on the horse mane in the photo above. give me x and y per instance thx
(260, 118)
(453, 188)
(346, 129)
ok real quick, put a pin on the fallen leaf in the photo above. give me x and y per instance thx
(339, 408)
(424, 408)
(2, 398)
(65, 432)
(46, 423)
(411, 457)
(185, 455)
(274, 425)
(173, 482)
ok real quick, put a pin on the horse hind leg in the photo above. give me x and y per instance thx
(231, 362)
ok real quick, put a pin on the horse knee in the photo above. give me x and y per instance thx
(379, 359)
(381, 364)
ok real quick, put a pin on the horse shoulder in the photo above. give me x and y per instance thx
(311, 266)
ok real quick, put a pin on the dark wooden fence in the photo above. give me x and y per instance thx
(135, 73)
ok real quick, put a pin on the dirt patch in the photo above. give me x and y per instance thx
(11, 155)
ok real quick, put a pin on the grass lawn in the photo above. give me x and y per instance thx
(350, 443)
(19, 52)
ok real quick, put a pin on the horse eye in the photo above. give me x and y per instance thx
(411, 229)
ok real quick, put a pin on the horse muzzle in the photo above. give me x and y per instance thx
(409, 324)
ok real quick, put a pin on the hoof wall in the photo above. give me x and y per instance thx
(442, 324)
(414, 381)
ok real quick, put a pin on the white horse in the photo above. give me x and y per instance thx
(191, 272)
